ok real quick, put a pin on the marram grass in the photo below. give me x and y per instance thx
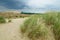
(53, 19)
(35, 27)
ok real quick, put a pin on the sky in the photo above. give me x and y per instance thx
(30, 5)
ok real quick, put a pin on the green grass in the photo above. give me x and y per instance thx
(53, 19)
(35, 26)
(56, 27)
(33, 29)
(2, 20)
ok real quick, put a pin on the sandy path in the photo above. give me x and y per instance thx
(10, 31)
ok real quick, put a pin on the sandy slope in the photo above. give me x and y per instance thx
(10, 31)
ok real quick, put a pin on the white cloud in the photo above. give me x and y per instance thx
(39, 3)
(42, 5)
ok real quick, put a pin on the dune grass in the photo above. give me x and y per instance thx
(56, 27)
(53, 19)
(2, 19)
(35, 26)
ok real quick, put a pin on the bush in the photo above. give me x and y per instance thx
(2, 20)
(16, 16)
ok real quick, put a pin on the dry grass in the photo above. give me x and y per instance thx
(37, 26)
(34, 28)
(13, 15)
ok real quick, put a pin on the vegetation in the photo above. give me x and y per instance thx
(27, 13)
(33, 29)
(36, 26)
(9, 20)
(2, 19)
(13, 14)
(53, 19)
(57, 27)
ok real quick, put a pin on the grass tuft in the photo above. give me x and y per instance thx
(2, 20)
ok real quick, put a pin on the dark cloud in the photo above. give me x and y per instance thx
(12, 4)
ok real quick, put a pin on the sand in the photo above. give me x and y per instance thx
(11, 31)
